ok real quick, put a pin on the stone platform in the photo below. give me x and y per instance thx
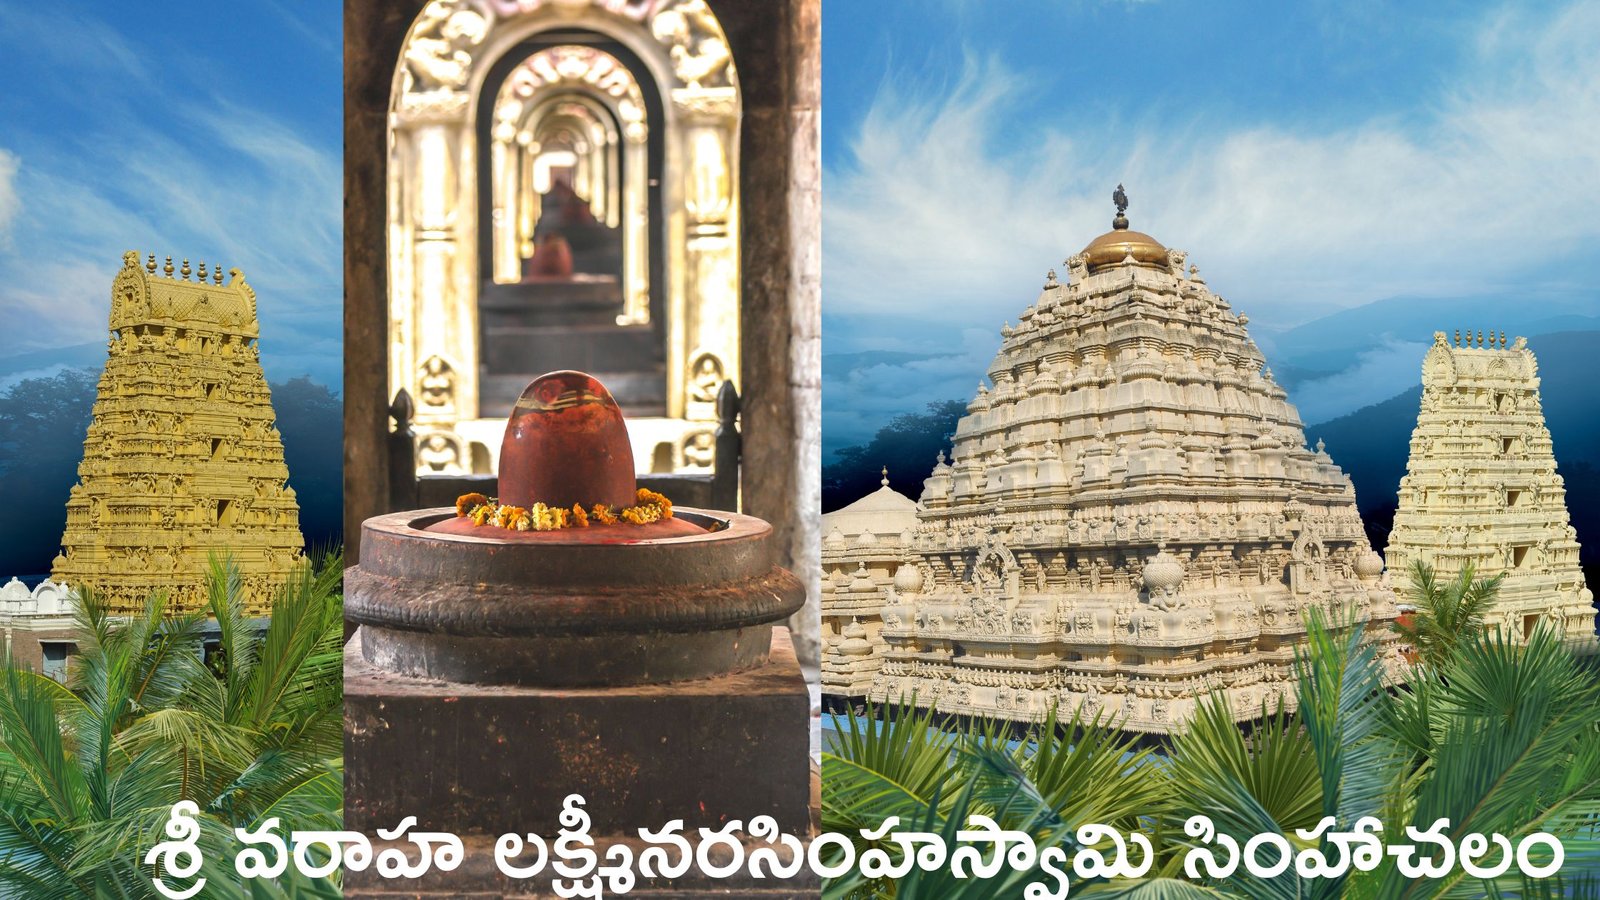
(485, 760)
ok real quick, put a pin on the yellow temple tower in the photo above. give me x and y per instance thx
(182, 458)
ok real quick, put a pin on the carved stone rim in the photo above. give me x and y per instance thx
(395, 545)
(418, 581)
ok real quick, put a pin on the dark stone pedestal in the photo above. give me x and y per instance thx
(480, 760)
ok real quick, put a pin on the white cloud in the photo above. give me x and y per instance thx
(206, 178)
(9, 203)
(867, 396)
(950, 212)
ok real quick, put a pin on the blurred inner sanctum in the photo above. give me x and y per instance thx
(562, 196)
(566, 225)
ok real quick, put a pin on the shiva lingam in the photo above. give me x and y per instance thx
(574, 635)
(573, 576)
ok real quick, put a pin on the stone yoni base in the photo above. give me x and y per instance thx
(485, 760)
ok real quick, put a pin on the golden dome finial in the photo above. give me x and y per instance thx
(1119, 244)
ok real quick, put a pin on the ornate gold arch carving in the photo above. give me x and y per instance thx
(433, 201)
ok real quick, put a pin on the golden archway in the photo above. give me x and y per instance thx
(576, 107)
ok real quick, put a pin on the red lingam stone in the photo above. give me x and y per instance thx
(566, 444)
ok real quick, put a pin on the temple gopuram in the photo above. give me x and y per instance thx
(182, 458)
(1131, 518)
(1481, 488)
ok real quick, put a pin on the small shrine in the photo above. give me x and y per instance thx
(863, 547)
(1131, 518)
(183, 458)
(1481, 487)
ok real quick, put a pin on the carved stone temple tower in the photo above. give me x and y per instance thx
(1131, 518)
(182, 458)
(1481, 487)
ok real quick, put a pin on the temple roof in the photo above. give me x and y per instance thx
(885, 511)
(1119, 243)
(1114, 246)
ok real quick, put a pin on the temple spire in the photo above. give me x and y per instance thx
(1120, 198)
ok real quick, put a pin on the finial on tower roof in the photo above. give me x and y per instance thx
(150, 265)
(185, 270)
(885, 480)
(1120, 198)
(167, 269)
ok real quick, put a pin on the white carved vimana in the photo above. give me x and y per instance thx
(1481, 488)
(1131, 517)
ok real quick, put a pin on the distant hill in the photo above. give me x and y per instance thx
(1372, 443)
(1330, 343)
(17, 367)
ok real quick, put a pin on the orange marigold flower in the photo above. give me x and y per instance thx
(603, 514)
(578, 517)
(466, 503)
(506, 516)
(648, 498)
(483, 514)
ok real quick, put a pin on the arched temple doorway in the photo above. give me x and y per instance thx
(562, 193)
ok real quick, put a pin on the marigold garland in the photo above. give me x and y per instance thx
(649, 507)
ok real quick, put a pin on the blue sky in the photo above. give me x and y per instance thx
(1313, 158)
(204, 130)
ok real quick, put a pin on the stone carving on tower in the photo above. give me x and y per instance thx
(182, 458)
(1481, 487)
(865, 565)
(1131, 518)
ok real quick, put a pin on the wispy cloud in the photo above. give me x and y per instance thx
(949, 208)
(166, 165)
(8, 194)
